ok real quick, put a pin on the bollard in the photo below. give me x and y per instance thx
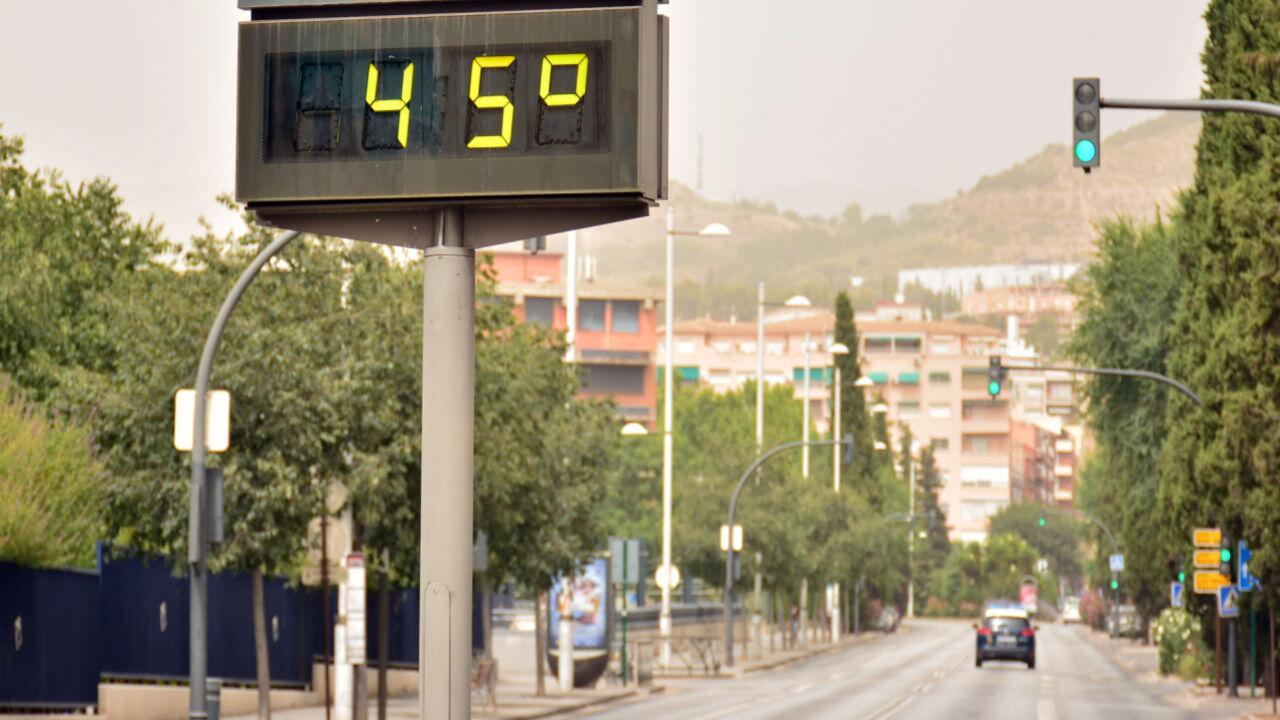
(213, 698)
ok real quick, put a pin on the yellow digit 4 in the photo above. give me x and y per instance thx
(580, 84)
(400, 105)
(492, 102)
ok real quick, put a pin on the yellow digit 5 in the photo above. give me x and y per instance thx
(492, 102)
(400, 105)
(580, 84)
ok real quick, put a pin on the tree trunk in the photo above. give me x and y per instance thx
(260, 646)
(540, 642)
(384, 636)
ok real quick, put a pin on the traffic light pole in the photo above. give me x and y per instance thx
(847, 442)
(1251, 107)
(1112, 372)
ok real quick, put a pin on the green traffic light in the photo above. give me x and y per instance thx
(1115, 585)
(993, 387)
(1086, 151)
(1042, 522)
(1182, 577)
(1225, 554)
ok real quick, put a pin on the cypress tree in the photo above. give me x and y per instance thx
(1221, 464)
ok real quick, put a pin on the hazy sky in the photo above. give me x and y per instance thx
(810, 103)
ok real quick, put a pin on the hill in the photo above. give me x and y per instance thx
(1041, 209)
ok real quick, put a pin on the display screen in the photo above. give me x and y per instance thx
(456, 102)
(466, 105)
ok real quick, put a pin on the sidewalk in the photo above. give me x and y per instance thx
(1142, 662)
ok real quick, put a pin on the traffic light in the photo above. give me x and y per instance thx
(995, 376)
(1041, 521)
(1225, 554)
(1086, 122)
(1115, 584)
(1182, 576)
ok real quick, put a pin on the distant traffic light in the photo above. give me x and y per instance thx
(995, 377)
(1182, 577)
(1225, 555)
(1041, 521)
(1086, 123)
(1115, 584)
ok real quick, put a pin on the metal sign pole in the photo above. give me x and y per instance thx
(448, 418)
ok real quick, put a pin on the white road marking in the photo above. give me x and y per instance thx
(1045, 707)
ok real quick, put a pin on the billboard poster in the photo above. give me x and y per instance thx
(588, 607)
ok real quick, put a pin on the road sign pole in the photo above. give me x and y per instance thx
(199, 650)
(625, 543)
(448, 419)
(1233, 664)
(1217, 656)
(1253, 651)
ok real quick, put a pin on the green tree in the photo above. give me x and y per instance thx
(1126, 307)
(932, 550)
(65, 249)
(1057, 540)
(854, 417)
(1221, 461)
(51, 487)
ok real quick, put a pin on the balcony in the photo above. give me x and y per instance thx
(1064, 446)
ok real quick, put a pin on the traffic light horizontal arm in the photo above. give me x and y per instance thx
(1252, 107)
(1115, 372)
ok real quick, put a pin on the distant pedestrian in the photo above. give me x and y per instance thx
(795, 624)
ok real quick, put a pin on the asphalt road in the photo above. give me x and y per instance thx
(927, 672)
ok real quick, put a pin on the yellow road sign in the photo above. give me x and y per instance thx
(1207, 537)
(1207, 558)
(1207, 582)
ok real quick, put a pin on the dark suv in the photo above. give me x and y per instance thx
(1006, 637)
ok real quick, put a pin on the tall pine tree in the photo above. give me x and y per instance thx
(853, 406)
(1221, 463)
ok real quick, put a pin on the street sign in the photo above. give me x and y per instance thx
(1117, 563)
(626, 560)
(457, 106)
(1207, 537)
(660, 577)
(737, 538)
(1175, 594)
(1244, 578)
(1207, 582)
(355, 610)
(1206, 558)
(1228, 601)
(217, 424)
(1042, 566)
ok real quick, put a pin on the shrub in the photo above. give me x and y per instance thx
(1177, 636)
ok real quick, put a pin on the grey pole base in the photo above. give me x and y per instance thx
(448, 418)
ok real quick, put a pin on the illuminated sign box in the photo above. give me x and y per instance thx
(463, 106)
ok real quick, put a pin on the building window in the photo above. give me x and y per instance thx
(974, 378)
(993, 476)
(908, 410)
(942, 345)
(939, 411)
(775, 347)
(985, 444)
(940, 378)
(540, 311)
(747, 348)
(626, 316)
(591, 315)
(613, 379)
(684, 347)
(722, 347)
(907, 346)
(939, 444)
(879, 345)
(1060, 391)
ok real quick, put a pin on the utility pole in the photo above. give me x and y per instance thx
(759, 368)
(911, 531)
(668, 389)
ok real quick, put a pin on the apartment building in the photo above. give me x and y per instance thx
(617, 328)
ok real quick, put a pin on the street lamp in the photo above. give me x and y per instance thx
(634, 428)
(833, 596)
(795, 301)
(911, 536)
(712, 230)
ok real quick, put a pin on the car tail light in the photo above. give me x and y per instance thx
(1028, 632)
(984, 632)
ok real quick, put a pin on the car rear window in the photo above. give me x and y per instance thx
(1006, 624)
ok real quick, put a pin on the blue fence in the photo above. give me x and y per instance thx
(61, 631)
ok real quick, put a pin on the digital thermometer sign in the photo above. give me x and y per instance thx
(465, 106)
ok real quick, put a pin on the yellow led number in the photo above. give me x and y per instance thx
(400, 104)
(491, 102)
(578, 60)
